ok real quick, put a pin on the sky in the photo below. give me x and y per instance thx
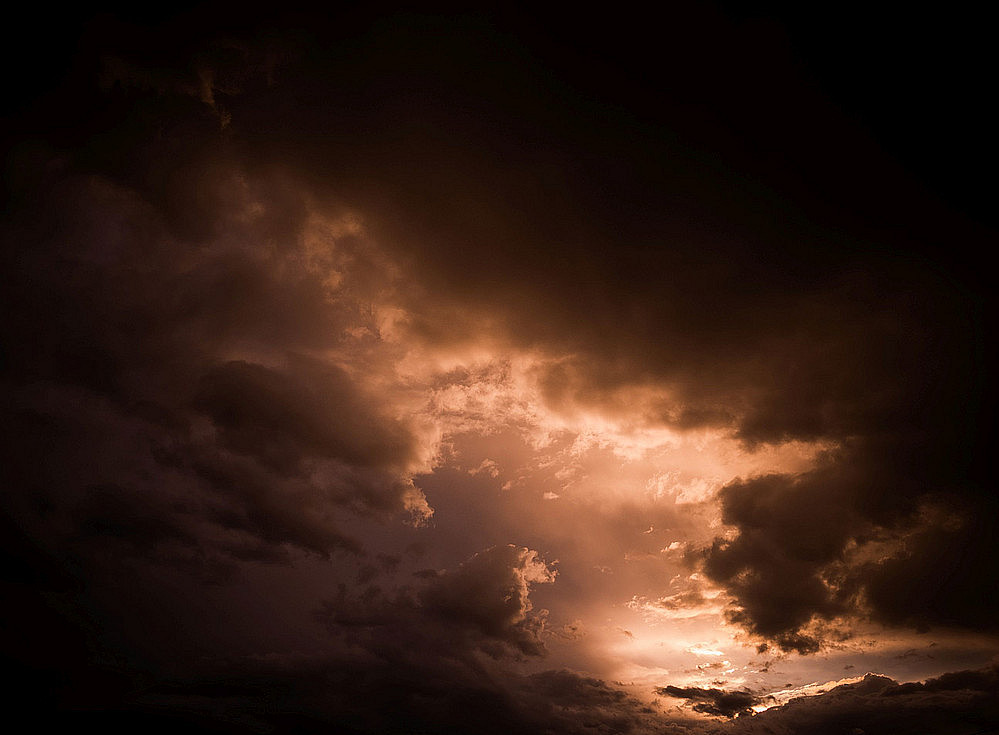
(482, 370)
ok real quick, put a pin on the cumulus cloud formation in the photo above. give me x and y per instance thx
(133, 359)
(854, 547)
(481, 606)
(181, 403)
(490, 592)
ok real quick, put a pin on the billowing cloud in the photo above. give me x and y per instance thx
(481, 606)
(854, 547)
(195, 366)
(490, 593)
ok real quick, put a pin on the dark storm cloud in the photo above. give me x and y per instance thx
(783, 536)
(905, 543)
(713, 701)
(482, 605)
(354, 694)
(489, 592)
(431, 657)
(118, 350)
(832, 303)
(943, 576)
(960, 703)
(172, 420)
(281, 418)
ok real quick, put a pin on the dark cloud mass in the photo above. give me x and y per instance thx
(960, 702)
(261, 272)
(713, 701)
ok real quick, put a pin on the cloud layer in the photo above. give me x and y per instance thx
(494, 371)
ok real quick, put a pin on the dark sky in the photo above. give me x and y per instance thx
(383, 370)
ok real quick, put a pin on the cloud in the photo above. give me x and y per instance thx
(315, 694)
(959, 702)
(266, 312)
(186, 410)
(713, 701)
(782, 536)
(313, 409)
(481, 606)
(898, 554)
(702, 313)
(489, 592)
